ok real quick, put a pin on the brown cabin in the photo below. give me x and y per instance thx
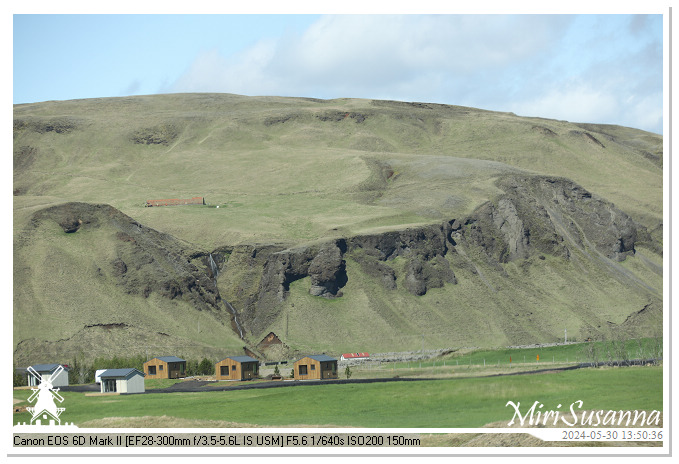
(165, 367)
(316, 367)
(237, 368)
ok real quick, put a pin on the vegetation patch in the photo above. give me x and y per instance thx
(163, 134)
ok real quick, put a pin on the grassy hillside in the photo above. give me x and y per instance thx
(295, 169)
(289, 172)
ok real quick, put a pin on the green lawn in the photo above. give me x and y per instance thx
(611, 350)
(456, 402)
(151, 384)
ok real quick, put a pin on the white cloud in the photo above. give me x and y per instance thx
(647, 112)
(370, 52)
(212, 72)
(581, 102)
(529, 64)
(577, 103)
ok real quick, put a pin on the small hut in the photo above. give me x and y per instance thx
(316, 367)
(237, 368)
(57, 377)
(122, 381)
(165, 367)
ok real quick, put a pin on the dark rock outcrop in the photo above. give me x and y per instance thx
(423, 275)
(425, 247)
(328, 271)
(43, 125)
(146, 261)
(323, 263)
(372, 266)
(425, 241)
(270, 270)
(548, 215)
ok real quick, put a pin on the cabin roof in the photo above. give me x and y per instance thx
(48, 367)
(241, 359)
(319, 357)
(169, 359)
(356, 355)
(119, 372)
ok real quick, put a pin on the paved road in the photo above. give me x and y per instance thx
(189, 386)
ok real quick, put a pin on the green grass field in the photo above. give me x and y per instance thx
(447, 403)
(480, 362)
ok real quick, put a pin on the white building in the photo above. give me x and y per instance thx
(122, 381)
(354, 356)
(46, 372)
(97, 375)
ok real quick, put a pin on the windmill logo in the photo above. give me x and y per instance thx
(45, 408)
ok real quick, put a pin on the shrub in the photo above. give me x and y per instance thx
(206, 367)
(19, 380)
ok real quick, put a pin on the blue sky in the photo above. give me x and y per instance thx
(582, 68)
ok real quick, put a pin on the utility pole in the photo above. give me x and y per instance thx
(565, 335)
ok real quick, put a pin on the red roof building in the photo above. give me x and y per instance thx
(347, 356)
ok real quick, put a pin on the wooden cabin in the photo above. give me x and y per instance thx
(122, 381)
(165, 367)
(237, 368)
(316, 367)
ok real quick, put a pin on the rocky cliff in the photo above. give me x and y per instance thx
(246, 287)
(535, 216)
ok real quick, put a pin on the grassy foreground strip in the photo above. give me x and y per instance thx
(463, 402)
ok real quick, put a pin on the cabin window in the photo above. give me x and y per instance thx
(234, 367)
(152, 370)
(224, 370)
(303, 370)
(313, 367)
(161, 367)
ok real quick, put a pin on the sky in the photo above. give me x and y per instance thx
(605, 68)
